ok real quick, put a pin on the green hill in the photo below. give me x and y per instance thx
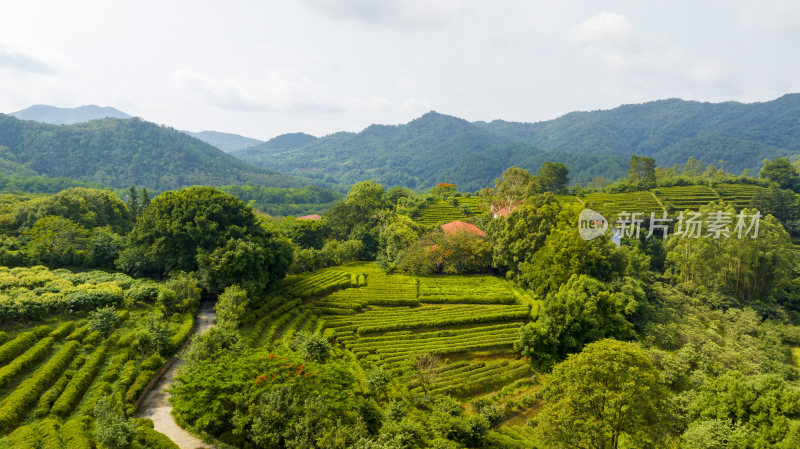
(436, 147)
(120, 153)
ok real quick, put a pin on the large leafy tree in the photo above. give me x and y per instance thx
(606, 397)
(88, 207)
(581, 311)
(782, 172)
(564, 254)
(204, 229)
(515, 186)
(553, 176)
(516, 239)
(642, 169)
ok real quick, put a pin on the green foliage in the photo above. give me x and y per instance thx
(781, 172)
(461, 252)
(306, 233)
(642, 169)
(12, 348)
(515, 186)
(565, 254)
(25, 360)
(79, 383)
(207, 230)
(103, 319)
(89, 208)
(607, 396)
(17, 402)
(231, 307)
(313, 346)
(516, 239)
(581, 311)
(747, 268)
(746, 411)
(112, 428)
(284, 201)
(553, 176)
(333, 253)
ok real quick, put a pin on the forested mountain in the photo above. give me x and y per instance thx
(67, 116)
(225, 141)
(120, 153)
(439, 148)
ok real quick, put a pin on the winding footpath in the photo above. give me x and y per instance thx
(156, 405)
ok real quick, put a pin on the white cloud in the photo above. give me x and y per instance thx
(23, 57)
(606, 27)
(612, 38)
(280, 92)
(405, 13)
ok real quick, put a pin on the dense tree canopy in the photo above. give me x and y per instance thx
(88, 207)
(201, 228)
(782, 172)
(608, 396)
(581, 311)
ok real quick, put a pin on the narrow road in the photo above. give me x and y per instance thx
(155, 404)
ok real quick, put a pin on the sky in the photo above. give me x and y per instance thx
(264, 68)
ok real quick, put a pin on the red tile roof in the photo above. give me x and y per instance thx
(310, 217)
(456, 226)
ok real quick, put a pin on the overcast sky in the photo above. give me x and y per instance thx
(263, 68)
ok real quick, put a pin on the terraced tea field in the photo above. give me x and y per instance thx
(610, 204)
(469, 323)
(737, 195)
(685, 197)
(438, 212)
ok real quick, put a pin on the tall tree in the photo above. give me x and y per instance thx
(642, 169)
(553, 176)
(206, 230)
(606, 397)
(515, 186)
(133, 202)
(782, 172)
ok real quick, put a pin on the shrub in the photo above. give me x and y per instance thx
(25, 360)
(17, 402)
(153, 439)
(78, 384)
(14, 347)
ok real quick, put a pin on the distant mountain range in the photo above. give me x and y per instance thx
(226, 142)
(123, 152)
(440, 148)
(431, 149)
(67, 116)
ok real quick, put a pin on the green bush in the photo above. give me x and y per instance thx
(25, 360)
(52, 393)
(138, 386)
(153, 439)
(18, 401)
(79, 383)
(63, 330)
(14, 347)
(49, 435)
(73, 435)
(24, 437)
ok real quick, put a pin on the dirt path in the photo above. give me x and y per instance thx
(155, 404)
